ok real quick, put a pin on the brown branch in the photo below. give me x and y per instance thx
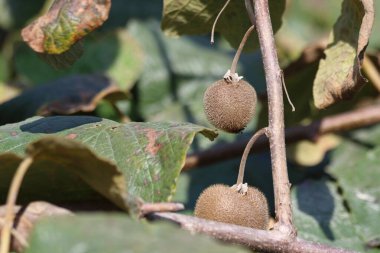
(337, 123)
(258, 240)
(276, 133)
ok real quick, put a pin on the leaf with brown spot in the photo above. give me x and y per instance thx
(339, 75)
(81, 155)
(68, 95)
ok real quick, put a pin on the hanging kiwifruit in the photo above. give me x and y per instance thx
(226, 204)
(230, 103)
(230, 106)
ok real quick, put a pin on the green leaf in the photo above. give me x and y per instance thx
(319, 215)
(114, 54)
(67, 159)
(339, 74)
(182, 17)
(117, 234)
(149, 155)
(65, 23)
(356, 167)
(68, 95)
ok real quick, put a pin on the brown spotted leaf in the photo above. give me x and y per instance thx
(78, 153)
(181, 17)
(68, 95)
(339, 75)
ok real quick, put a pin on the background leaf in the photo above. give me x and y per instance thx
(319, 215)
(15, 13)
(67, 95)
(182, 17)
(114, 54)
(87, 233)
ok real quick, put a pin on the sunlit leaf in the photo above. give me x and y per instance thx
(150, 157)
(339, 76)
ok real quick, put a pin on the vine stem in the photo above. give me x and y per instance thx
(11, 201)
(246, 153)
(240, 49)
(273, 76)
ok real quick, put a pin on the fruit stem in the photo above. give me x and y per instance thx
(246, 153)
(276, 133)
(216, 21)
(240, 49)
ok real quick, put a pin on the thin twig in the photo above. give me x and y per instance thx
(20, 238)
(273, 78)
(286, 91)
(332, 124)
(11, 201)
(240, 49)
(246, 153)
(258, 240)
(147, 208)
(371, 72)
(216, 21)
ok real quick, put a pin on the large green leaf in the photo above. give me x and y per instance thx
(339, 74)
(149, 155)
(319, 215)
(349, 208)
(356, 168)
(196, 17)
(68, 95)
(117, 234)
(114, 54)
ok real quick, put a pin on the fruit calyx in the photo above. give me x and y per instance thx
(232, 77)
(240, 188)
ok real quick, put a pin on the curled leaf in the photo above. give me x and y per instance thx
(68, 95)
(339, 76)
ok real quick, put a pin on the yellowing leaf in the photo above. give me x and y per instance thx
(339, 76)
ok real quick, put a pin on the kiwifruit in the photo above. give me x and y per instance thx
(230, 106)
(225, 204)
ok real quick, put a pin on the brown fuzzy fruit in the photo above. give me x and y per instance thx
(230, 106)
(224, 204)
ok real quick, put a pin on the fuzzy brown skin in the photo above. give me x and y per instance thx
(224, 204)
(230, 106)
